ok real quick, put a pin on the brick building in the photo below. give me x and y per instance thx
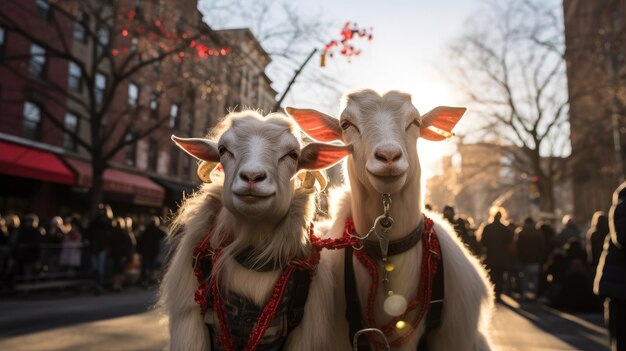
(595, 34)
(52, 71)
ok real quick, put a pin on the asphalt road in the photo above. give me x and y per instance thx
(125, 321)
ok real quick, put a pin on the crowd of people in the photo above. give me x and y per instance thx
(106, 249)
(569, 270)
(532, 261)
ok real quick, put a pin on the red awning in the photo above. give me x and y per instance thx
(117, 181)
(27, 162)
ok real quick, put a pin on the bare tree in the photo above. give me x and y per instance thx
(287, 34)
(122, 42)
(511, 67)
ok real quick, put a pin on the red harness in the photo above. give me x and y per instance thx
(204, 250)
(431, 255)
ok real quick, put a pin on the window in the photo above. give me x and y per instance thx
(174, 160)
(2, 34)
(174, 116)
(186, 167)
(152, 154)
(37, 61)
(104, 36)
(32, 117)
(80, 33)
(101, 85)
(156, 67)
(43, 9)
(188, 120)
(130, 149)
(74, 79)
(133, 94)
(154, 106)
(71, 126)
(177, 66)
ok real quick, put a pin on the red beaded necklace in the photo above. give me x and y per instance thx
(431, 253)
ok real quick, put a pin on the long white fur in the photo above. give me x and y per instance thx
(468, 293)
(205, 210)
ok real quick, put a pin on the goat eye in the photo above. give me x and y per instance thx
(345, 125)
(293, 154)
(221, 150)
(414, 123)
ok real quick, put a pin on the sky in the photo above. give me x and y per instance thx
(410, 38)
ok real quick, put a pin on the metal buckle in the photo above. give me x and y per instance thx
(355, 339)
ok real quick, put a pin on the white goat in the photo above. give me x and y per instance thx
(260, 207)
(383, 131)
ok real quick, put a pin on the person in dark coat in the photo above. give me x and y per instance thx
(548, 233)
(99, 240)
(571, 287)
(530, 247)
(496, 238)
(461, 228)
(595, 238)
(4, 249)
(610, 282)
(27, 242)
(121, 252)
(149, 247)
(569, 231)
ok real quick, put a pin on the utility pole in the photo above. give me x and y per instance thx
(293, 80)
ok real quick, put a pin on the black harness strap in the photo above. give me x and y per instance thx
(302, 281)
(435, 309)
(353, 308)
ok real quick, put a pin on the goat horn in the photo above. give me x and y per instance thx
(205, 169)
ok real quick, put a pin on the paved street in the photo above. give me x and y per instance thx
(123, 322)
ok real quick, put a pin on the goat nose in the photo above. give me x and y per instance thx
(252, 176)
(388, 155)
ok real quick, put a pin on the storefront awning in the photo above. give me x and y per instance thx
(22, 161)
(175, 191)
(118, 181)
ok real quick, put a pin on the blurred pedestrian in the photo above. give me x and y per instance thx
(571, 286)
(27, 243)
(530, 249)
(99, 239)
(569, 231)
(4, 249)
(51, 248)
(70, 257)
(148, 246)
(122, 244)
(462, 230)
(610, 282)
(548, 233)
(595, 238)
(496, 238)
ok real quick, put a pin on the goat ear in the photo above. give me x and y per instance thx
(315, 124)
(437, 124)
(317, 156)
(199, 148)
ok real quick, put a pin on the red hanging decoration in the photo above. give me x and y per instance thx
(349, 32)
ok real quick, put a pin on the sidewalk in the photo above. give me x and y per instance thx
(532, 326)
(123, 321)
